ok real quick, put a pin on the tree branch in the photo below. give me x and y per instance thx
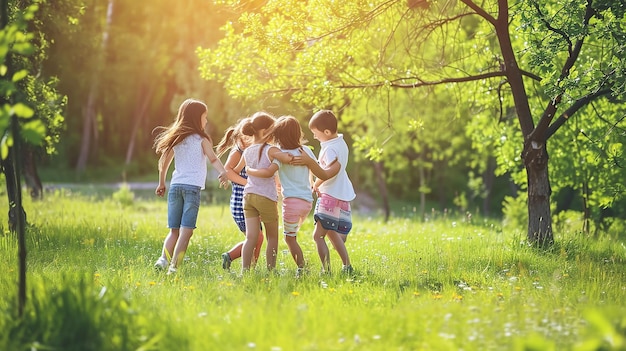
(577, 105)
(480, 11)
(574, 53)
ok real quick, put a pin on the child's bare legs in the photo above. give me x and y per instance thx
(271, 232)
(322, 249)
(252, 237)
(181, 246)
(257, 249)
(169, 243)
(295, 250)
(344, 237)
(338, 243)
(235, 251)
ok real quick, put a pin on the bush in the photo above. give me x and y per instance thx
(78, 316)
(124, 196)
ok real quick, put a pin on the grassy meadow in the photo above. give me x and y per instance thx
(447, 283)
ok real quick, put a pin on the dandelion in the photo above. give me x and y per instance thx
(416, 293)
(457, 297)
(295, 293)
(152, 283)
(518, 288)
(137, 284)
(437, 296)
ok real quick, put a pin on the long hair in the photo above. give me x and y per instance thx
(258, 121)
(188, 122)
(233, 137)
(288, 133)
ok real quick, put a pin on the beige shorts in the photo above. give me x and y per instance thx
(259, 206)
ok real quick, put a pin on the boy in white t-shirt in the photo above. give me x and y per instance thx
(333, 216)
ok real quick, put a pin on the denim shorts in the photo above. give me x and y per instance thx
(183, 202)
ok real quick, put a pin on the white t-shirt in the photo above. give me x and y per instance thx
(294, 180)
(190, 165)
(339, 186)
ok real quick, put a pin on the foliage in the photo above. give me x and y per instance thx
(147, 69)
(16, 41)
(447, 283)
(124, 196)
(77, 315)
(565, 60)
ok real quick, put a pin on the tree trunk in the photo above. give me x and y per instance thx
(535, 155)
(382, 187)
(31, 176)
(489, 177)
(140, 112)
(11, 168)
(90, 126)
(539, 217)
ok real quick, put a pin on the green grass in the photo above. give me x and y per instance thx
(446, 284)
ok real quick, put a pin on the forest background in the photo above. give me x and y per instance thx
(107, 72)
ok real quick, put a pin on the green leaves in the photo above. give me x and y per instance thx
(15, 39)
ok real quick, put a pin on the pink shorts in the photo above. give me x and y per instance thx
(295, 211)
(333, 214)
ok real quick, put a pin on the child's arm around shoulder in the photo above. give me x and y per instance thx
(275, 153)
(263, 172)
(316, 169)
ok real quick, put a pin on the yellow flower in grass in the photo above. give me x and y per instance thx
(153, 283)
(295, 293)
(137, 284)
(416, 293)
(518, 288)
(437, 296)
(457, 297)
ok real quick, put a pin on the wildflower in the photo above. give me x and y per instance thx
(416, 293)
(152, 283)
(295, 293)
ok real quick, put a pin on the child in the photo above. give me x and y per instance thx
(237, 142)
(294, 180)
(332, 216)
(189, 145)
(259, 195)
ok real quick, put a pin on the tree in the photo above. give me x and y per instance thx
(25, 100)
(545, 61)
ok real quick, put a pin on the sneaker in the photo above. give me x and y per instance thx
(161, 264)
(226, 260)
(171, 270)
(347, 270)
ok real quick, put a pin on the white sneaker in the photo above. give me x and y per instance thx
(161, 263)
(171, 270)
